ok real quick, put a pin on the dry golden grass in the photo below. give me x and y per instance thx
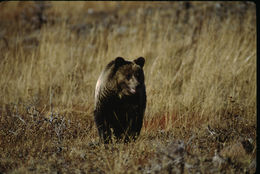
(200, 75)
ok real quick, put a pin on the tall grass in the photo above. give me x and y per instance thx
(200, 67)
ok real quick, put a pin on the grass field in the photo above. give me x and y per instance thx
(200, 76)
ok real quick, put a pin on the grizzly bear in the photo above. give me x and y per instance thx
(120, 100)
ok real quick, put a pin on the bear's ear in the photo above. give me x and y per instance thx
(119, 61)
(140, 61)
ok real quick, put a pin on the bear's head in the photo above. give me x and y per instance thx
(129, 76)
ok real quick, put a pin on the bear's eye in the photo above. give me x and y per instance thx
(128, 76)
(137, 74)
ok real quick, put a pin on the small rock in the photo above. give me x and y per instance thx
(235, 150)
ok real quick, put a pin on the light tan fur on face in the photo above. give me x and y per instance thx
(127, 80)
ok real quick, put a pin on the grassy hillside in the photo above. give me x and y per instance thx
(200, 75)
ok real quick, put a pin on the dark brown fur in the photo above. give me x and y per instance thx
(120, 100)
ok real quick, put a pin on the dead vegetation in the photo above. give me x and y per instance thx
(200, 75)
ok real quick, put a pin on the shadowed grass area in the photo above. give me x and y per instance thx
(200, 76)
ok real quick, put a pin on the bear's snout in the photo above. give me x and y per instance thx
(134, 85)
